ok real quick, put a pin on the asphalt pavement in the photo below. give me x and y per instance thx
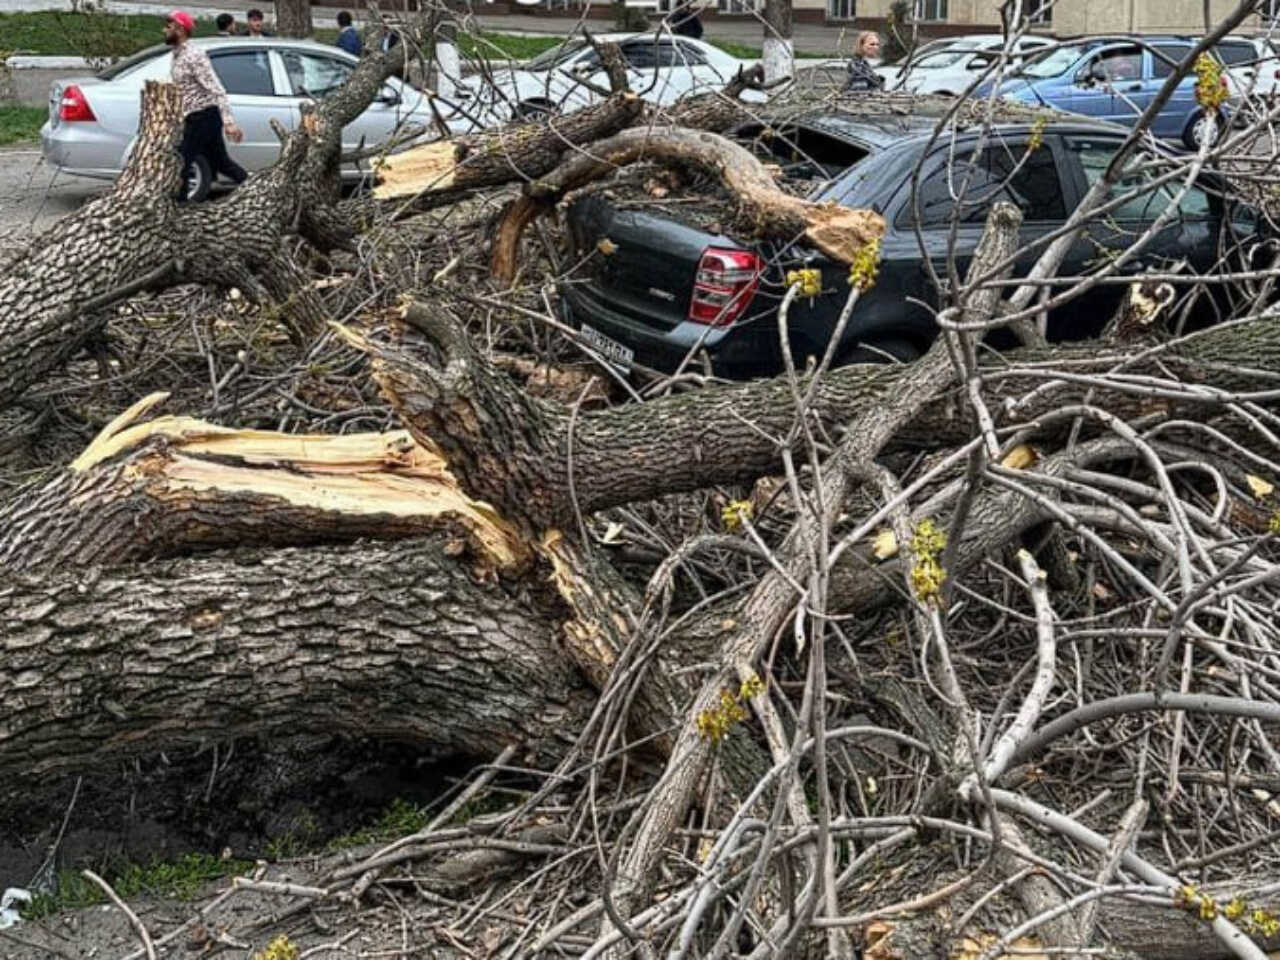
(33, 195)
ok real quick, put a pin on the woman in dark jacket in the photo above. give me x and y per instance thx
(862, 78)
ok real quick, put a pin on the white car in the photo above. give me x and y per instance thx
(950, 67)
(93, 121)
(1252, 66)
(660, 69)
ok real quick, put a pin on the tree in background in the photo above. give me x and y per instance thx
(293, 18)
(778, 55)
(900, 33)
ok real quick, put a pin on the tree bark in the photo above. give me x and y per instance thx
(837, 231)
(510, 449)
(394, 642)
(517, 152)
(778, 54)
(174, 486)
(293, 18)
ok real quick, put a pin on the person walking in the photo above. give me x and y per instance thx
(226, 25)
(863, 79)
(206, 110)
(254, 19)
(685, 21)
(348, 36)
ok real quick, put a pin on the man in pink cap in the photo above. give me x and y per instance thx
(204, 104)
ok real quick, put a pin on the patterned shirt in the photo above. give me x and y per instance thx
(199, 85)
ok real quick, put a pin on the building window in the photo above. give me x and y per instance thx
(1042, 12)
(848, 9)
(1270, 11)
(937, 9)
(737, 6)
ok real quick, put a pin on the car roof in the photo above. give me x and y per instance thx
(241, 43)
(880, 132)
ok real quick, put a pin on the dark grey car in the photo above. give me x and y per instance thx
(670, 287)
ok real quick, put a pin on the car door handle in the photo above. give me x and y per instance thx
(1133, 88)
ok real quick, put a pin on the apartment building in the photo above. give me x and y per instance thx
(1064, 18)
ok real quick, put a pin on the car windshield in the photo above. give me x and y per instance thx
(1052, 64)
(129, 64)
(556, 55)
(939, 61)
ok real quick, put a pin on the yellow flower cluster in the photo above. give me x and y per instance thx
(1211, 88)
(281, 948)
(927, 576)
(866, 266)
(1252, 920)
(809, 280)
(714, 723)
(1036, 140)
(735, 514)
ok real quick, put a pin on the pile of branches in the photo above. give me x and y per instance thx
(966, 657)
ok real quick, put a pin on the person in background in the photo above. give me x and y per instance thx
(206, 110)
(685, 21)
(348, 36)
(862, 78)
(254, 19)
(226, 25)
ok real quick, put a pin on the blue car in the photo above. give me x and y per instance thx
(1115, 79)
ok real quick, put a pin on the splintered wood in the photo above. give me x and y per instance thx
(355, 475)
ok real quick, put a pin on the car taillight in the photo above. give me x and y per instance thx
(724, 285)
(73, 105)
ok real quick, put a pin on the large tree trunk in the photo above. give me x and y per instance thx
(778, 54)
(174, 486)
(393, 642)
(293, 18)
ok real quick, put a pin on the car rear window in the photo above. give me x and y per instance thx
(803, 153)
(129, 64)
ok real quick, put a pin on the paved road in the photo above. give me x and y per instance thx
(33, 195)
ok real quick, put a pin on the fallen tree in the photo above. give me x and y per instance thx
(811, 666)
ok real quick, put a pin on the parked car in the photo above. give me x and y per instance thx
(950, 68)
(1253, 68)
(672, 287)
(93, 121)
(662, 69)
(1115, 79)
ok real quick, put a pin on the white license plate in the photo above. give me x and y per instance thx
(608, 348)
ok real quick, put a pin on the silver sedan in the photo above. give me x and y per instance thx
(93, 121)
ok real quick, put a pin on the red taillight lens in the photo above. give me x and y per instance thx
(724, 285)
(73, 105)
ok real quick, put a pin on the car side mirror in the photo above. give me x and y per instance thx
(389, 97)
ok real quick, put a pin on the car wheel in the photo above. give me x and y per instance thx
(197, 179)
(534, 110)
(879, 351)
(1197, 128)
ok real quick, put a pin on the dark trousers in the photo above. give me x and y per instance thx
(202, 137)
